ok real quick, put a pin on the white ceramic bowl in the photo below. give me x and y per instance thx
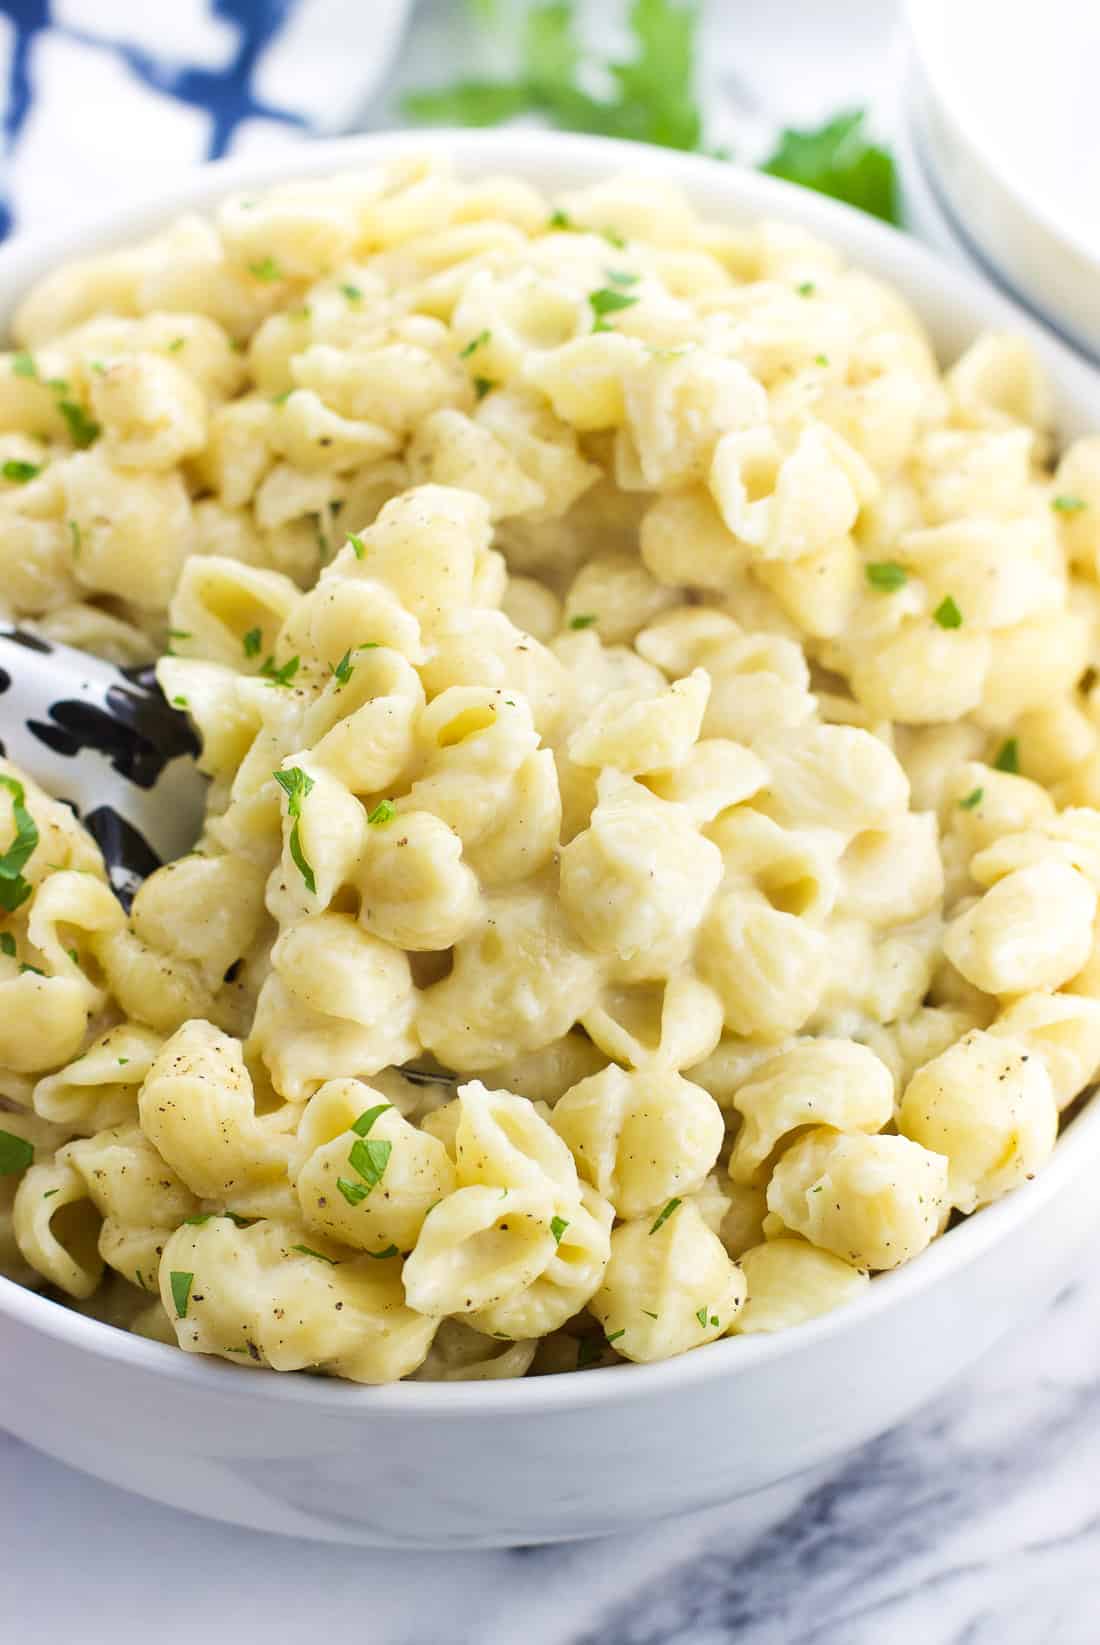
(1002, 100)
(497, 1463)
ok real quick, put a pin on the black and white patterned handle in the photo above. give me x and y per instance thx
(104, 740)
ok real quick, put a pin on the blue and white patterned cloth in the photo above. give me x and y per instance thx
(106, 99)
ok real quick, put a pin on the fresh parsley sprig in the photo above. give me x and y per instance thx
(14, 889)
(652, 98)
(296, 784)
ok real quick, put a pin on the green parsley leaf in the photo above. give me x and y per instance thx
(886, 575)
(266, 269)
(652, 94)
(296, 784)
(369, 1159)
(122, 1061)
(584, 621)
(615, 1335)
(558, 1225)
(343, 670)
(608, 301)
(176, 344)
(181, 1284)
(280, 676)
(672, 1205)
(14, 889)
(359, 547)
(366, 1120)
(821, 359)
(19, 472)
(50, 1192)
(619, 277)
(973, 799)
(381, 1256)
(308, 1251)
(947, 614)
(281, 399)
(1068, 505)
(384, 812)
(253, 642)
(352, 293)
(180, 702)
(33, 969)
(16, 1153)
(198, 1219)
(353, 1192)
(482, 387)
(589, 1350)
(239, 1221)
(560, 219)
(7, 944)
(837, 159)
(1008, 757)
(701, 1316)
(180, 634)
(806, 289)
(83, 431)
(22, 365)
(478, 342)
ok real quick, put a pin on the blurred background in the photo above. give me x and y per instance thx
(105, 99)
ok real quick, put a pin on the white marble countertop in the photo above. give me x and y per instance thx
(977, 1523)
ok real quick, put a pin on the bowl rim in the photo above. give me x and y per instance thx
(922, 19)
(557, 160)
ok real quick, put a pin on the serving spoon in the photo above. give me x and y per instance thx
(106, 742)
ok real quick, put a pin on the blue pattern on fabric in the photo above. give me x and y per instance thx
(226, 94)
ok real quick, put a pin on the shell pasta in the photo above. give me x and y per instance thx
(650, 876)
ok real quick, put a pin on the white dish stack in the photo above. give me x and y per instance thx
(998, 143)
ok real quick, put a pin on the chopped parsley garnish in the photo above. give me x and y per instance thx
(20, 472)
(358, 546)
(478, 342)
(1008, 757)
(7, 944)
(181, 1284)
(607, 301)
(179, 634)
(701, 1316)
(180, 702)
(483, 386)
(613, 238)
(558, 1225)
(947, 613)
(382, 1256)
(886, 575)
(33, 969)
(619, 277)
(239, 1221)
(836, 159)
(363, 1124)
(122, 1061)
(973, 799)
(615, 1335)
(83, 430)
(296, 784)
(283, 675)
(176, 344)
(585, 621)
(22, 365)
(352, 293)
(560, 219)
(1068, 505)
(253, 642)
(353, 1192)
(821, 359)
(589, 1350)
(308, 1251)
(198, 1219)
(281, 399)
(806, 288)
(266, 269)
(672, 1205)
(14, 889)
(16, 1153)
(342, 671)
(369, 1159)
(384, 812)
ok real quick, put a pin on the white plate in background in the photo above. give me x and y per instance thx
(1005, 112)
